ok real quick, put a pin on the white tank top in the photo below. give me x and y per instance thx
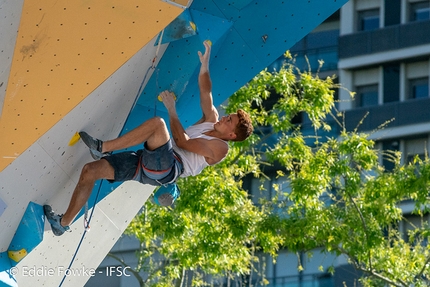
(194, 163)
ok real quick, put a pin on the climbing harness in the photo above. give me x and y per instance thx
(86, 221)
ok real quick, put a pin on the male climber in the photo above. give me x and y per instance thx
(162, 160)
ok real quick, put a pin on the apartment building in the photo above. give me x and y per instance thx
(381, 50)
(384, 55)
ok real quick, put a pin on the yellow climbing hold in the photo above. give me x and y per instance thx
(74, 139)
(160, 99)
(17, 255)
(193, 25)
(209, 42)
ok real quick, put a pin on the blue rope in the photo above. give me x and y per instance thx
(98, 191)
(140, 89)
(146, 74)
(83, 235)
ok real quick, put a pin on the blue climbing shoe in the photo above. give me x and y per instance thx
(55, 221)
(166, 195)
(94, 144)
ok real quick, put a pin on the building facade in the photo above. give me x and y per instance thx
(379, 49)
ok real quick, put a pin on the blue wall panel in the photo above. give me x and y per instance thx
(209, 6)
(245, 41)
(247, 37)
(239, 4)
(28, 234)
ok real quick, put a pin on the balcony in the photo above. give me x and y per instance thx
(315, 46)
(404, 113)
(385, 39)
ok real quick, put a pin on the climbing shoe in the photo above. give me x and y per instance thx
(166, 195)
(55, 221)
(95, 146)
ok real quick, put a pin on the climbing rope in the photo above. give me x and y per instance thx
(147, 71)
(83, 235)
(87, 219)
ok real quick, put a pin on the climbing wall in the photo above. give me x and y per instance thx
(247, 36)
(54, 170)
(9, 23)
(65, 73)
(98, 66)
(63, 51)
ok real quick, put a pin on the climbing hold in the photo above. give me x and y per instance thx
(160, 99)
(17, 255)
(28, 234)
(74, 139)
(209, 42)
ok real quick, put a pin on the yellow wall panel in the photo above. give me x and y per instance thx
(64, 50)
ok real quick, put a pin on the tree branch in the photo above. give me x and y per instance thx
(161, 267)
(383, 278)
(424, 267)
(371, 272)
(366, 232)
(181, 279)
(234, 160)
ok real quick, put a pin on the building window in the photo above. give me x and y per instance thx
(415, 147)
(368, 20)
(260, 191)
(419, 11)
(412, 222)
(366, 96)
(391, 84)
(411, 157)
(389, 147)
(418, 88)
(265, 189)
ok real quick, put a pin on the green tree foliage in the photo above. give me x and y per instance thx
(341, 199)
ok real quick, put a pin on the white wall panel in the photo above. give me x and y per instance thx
(48, 171)
(10, 15)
